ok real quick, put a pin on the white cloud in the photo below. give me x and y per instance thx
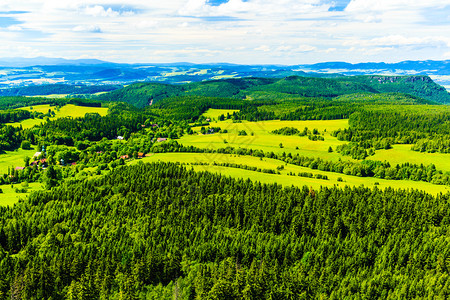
(254, 8)
(15, 28)
(21, 50)
(100, 11)
(265, 31)
(400, 40)
(188, 51)
(395, 11)
(306, 48)
(263, 48)
(330, 50)
(145, 24)
(89, 28)
(389, 5)
(283, 48)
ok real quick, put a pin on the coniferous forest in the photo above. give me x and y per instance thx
(156, 231)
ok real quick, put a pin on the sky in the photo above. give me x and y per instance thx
(235, 31)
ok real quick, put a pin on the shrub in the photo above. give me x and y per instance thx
(26, 145)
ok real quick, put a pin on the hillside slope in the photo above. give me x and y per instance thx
(143, 94)
(421, 86)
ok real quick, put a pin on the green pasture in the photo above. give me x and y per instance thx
(400, 154)
(51, 96)
(14, 159)
(68, 110)
(200, 72)
(9, 195)
(264, 140)
(28, 123)
(259, 137)
(223, 76)
(214, 114)
(175, 73)
(284, 178)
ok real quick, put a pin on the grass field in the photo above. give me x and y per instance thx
(264, 140)
(214, 114)
(223, 76)
(259, 136)
(284, 178)
(400, 154)
(68, 110)
(14, 159)
(28, 123)
(9, 195)
(52, 96)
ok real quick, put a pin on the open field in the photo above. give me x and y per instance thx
(223, 76)
(14, 159)
(266, 141)
(284, 178)
(214, 114)
(400, 154)
(28, 123)
(9, 195)
(51, 96)
(259, 137)
(68, 110)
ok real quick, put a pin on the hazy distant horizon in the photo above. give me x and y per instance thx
(95, 60)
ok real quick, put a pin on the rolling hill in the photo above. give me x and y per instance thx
(142, 94)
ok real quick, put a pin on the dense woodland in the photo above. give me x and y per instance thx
(102, 229)
(40, 90)
(142, 94)
(161, 231)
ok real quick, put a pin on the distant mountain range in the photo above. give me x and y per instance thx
(19, 72)
(14, 62)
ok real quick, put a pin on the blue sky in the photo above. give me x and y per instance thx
(235, 31)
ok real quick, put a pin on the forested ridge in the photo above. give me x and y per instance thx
(8, 102)
(160, 231)
(49, 89)
(143, 94)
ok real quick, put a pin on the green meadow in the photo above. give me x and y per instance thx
(214, 114)
(14, 159)
(28, 123)
(400, 154)
(68, 110)
(259, 137)
(284, 178)
(9, 196)
(263, 139)
(51, 96)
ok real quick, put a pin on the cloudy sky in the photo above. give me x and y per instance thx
(235, 31)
